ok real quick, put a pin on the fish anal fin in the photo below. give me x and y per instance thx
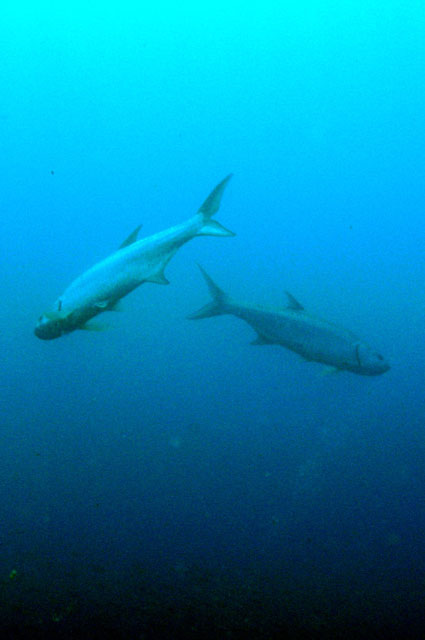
(158, 278)
(330, 371)
(261, 339)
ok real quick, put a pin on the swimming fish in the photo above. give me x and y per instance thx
(136, 261)
(292, 327)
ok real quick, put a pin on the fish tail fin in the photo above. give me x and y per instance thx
(219, 305)
(209, 207)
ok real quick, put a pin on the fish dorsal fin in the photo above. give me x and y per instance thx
(293, 302)
(131, 238)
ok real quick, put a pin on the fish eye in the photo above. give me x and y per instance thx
(378, 355)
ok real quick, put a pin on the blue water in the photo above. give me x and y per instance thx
(163, 478)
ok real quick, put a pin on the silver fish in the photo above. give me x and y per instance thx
(292, 327)
(100, 288)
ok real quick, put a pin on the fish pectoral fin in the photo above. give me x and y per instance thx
(108, 305)
(93, 326)
(261, 339)
(131, 238)
(55, 315)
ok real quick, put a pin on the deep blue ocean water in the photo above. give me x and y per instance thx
(164, 478)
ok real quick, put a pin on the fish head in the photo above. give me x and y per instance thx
(51, 325)
(369, 362)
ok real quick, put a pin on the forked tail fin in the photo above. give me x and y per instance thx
(209, 207)
(219, 305)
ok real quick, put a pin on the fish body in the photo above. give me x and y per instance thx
(101, 287)
(293, 327)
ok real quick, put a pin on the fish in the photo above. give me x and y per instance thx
(136, 261)
(292, 327)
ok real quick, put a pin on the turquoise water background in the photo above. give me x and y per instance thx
(164, 476)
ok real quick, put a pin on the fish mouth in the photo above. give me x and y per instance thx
(46, 330)
(376, 368)
(377, 371)
(382, 367)
(42, 334)
(385, 367)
